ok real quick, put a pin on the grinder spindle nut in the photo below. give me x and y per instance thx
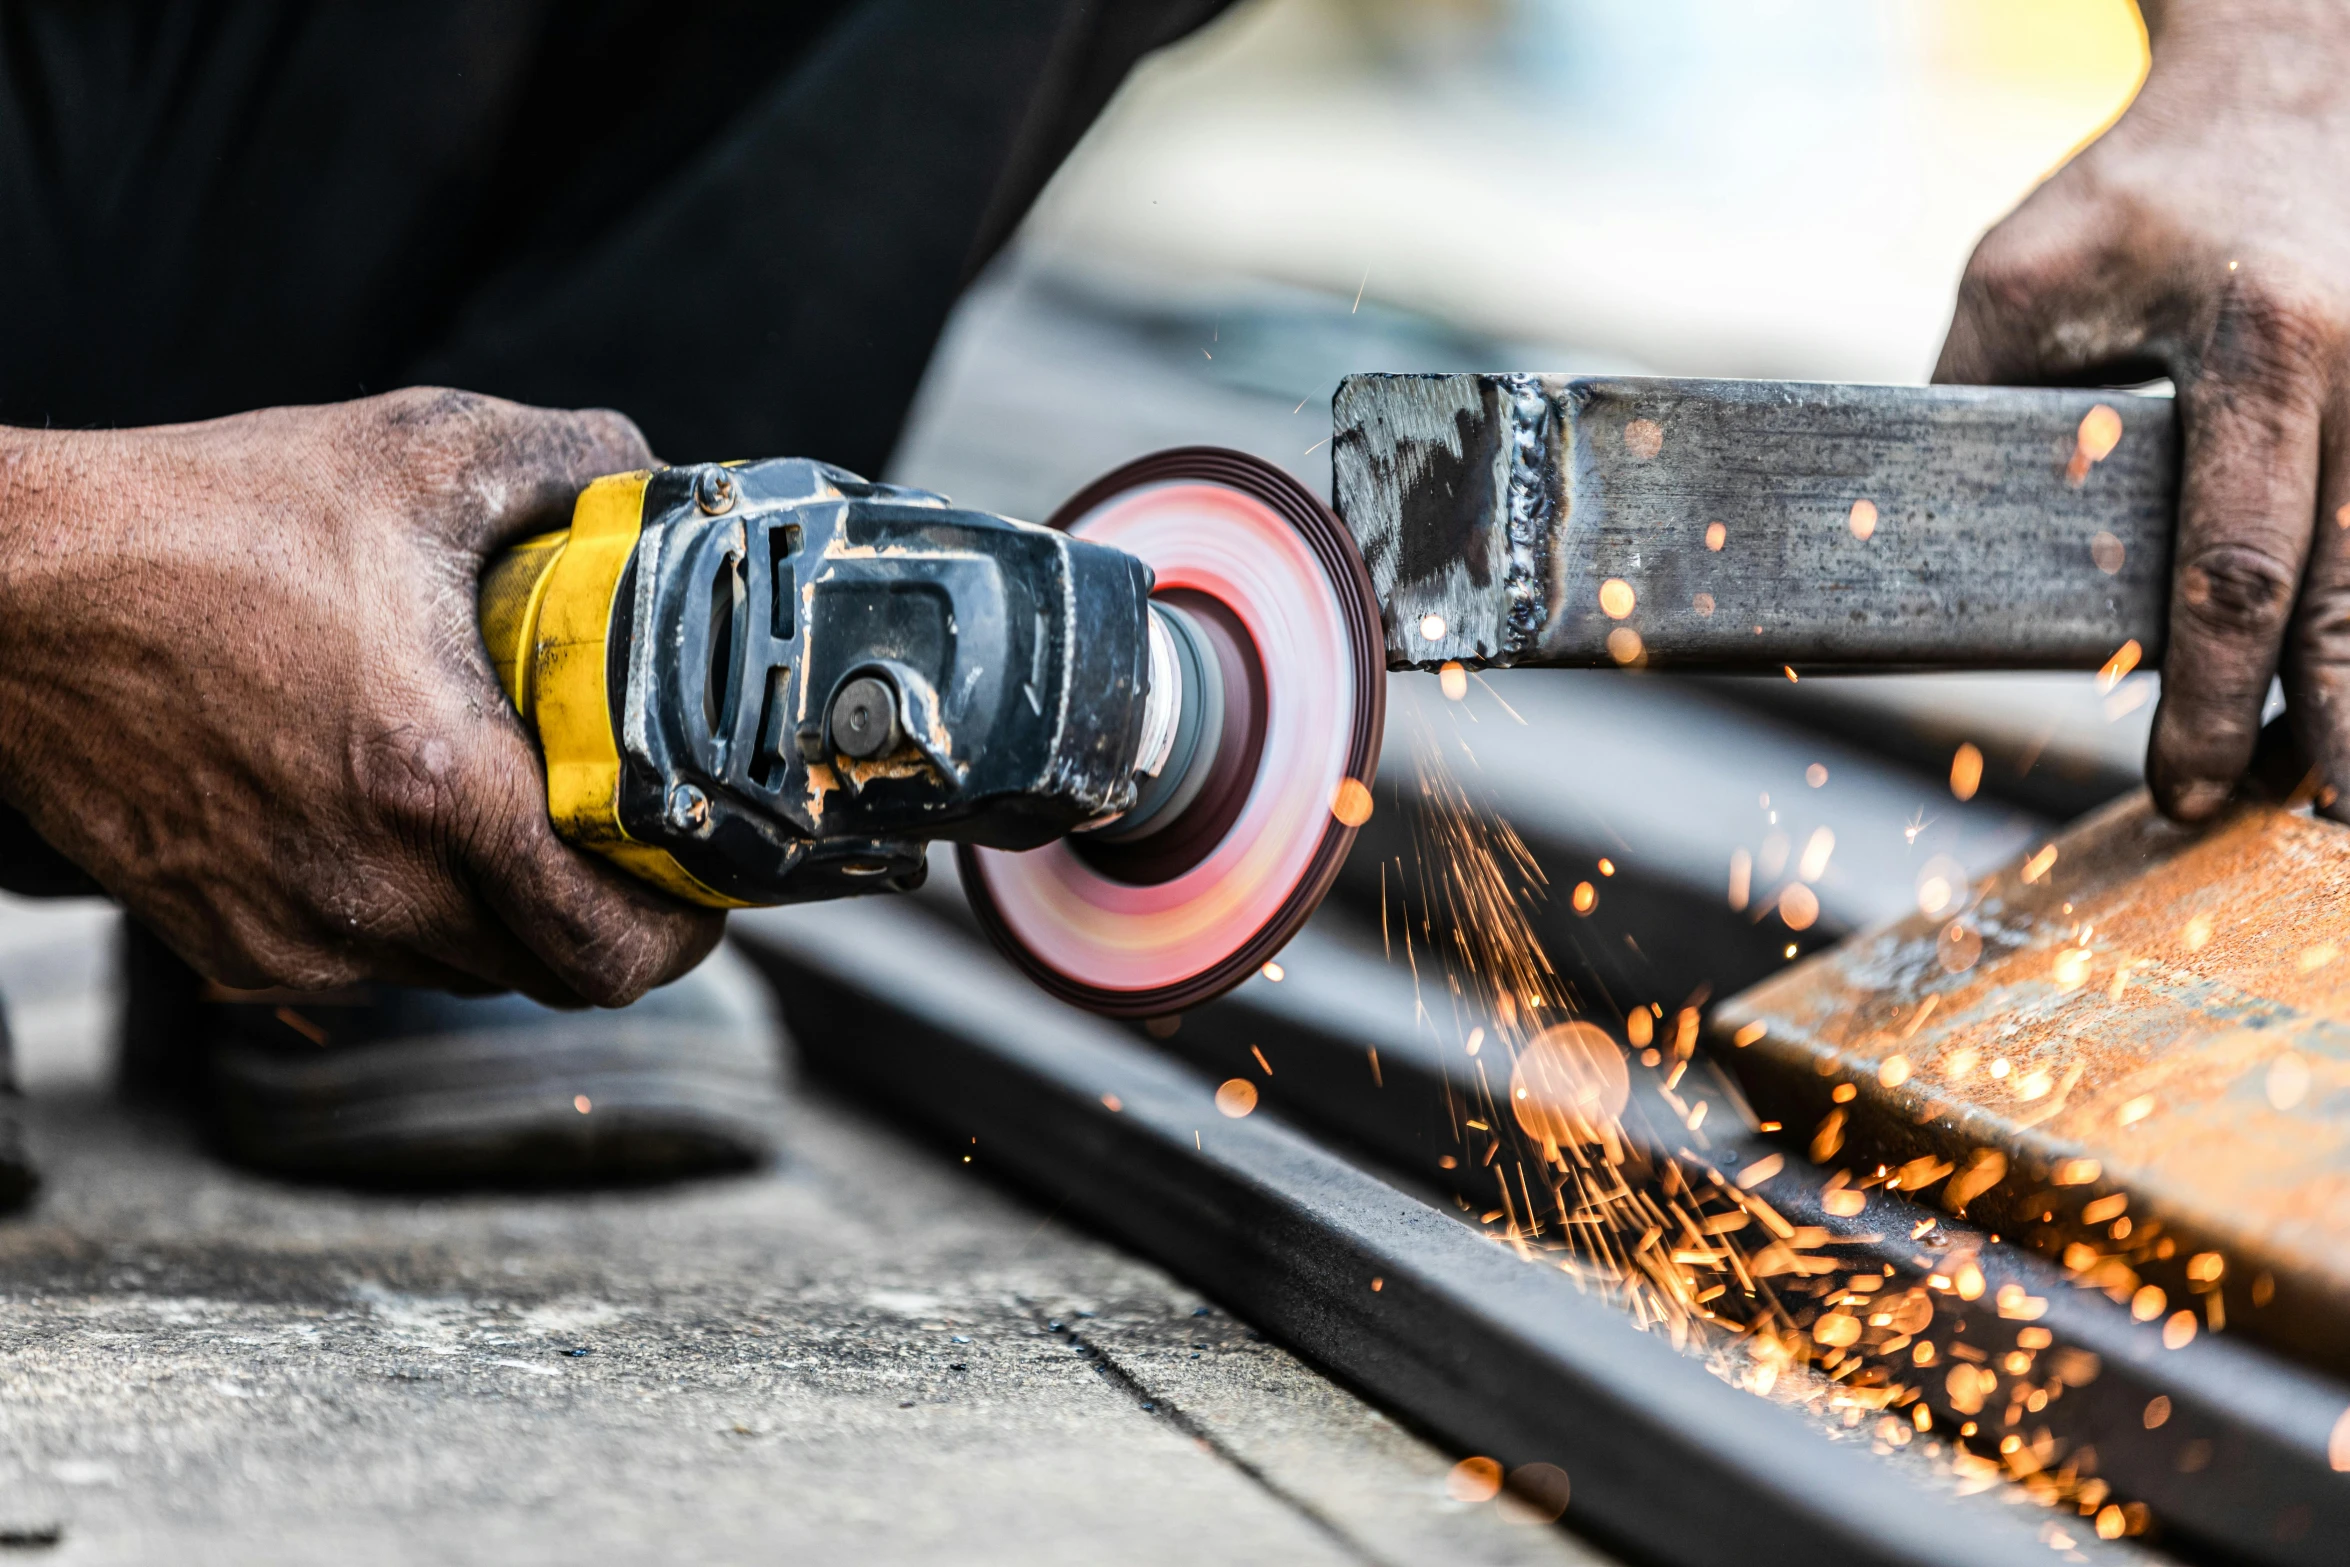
(865, 718)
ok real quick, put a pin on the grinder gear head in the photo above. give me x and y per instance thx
(776, 682)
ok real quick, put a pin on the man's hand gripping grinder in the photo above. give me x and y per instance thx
(1149, 726)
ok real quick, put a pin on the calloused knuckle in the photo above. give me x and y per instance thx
(611, 436)
(2322, 627)
(2272, 333)
(2236, 591)
(408, 783)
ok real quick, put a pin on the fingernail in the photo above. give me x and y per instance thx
(2199, 798)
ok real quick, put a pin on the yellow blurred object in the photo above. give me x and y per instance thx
(2089, 52)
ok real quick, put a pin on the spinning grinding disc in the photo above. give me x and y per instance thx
(1269, 590)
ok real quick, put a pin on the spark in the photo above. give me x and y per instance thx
(1698, 1252)
(1966, 771)
(1359, 287)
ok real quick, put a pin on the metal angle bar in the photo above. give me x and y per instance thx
(1749, 524)
(2267, 1490)
(1668, 1463)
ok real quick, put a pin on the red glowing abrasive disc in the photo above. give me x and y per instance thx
(1242, 544)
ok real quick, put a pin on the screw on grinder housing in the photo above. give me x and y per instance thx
(777, 682)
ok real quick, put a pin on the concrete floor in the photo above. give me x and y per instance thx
(868, 1351)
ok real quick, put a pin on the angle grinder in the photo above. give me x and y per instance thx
(1148, 726)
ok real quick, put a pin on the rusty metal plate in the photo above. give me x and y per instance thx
(2130, 1051)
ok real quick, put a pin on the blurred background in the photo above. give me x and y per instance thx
(1756, 188)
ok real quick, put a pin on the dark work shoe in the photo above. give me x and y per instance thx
(387, 1086)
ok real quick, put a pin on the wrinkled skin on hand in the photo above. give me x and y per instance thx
(2206, 236)
(243, 687)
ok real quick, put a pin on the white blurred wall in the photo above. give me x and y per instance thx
(1739, 187)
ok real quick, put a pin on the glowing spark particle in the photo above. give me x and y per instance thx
(1788, 670)
(2100, 432)
(582, 1103)
(1799, 906)
(1716, 535)
(1624, 645)
(1703, 604)
(1586, 897)
(1922, 1355)
(1836, 1329)
(1969, 1282)
(1644, 438)
(2135, 1110)
(2314, 958)
(2148, 1303)
(1607, 867)
(1741, 877)
(1749, 1034)
(1862, 520)
(1639, 1027)
(1761, 1170)
(1452, 680)
(2124, 660)
(1474, 1480)
(2110, 1523)
(2039, 864)
(2077, 1172)
(1957, 949)
(1274, 972)
(1893, 1071)
(1112, 1103)
(1476, 1039)
(1263, 1065)
(1918, 822)
(2157, 1409)
(1822, 843)
(1845, 1203)
(2206, 1267)
(1790, 950)
(2000, 1067)
(2105, 1208)
(1350, 802)
(2196, 932)
(2338, 1444)
(1236, 1098)
(1432, 628)
(2072, 968)
(2288, 1080)
(1844, 1093)
(1616, 598)
(1966, 771)
(2107, 552)
(1569, 1086)
(1378, 1284)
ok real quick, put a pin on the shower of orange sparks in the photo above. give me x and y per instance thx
(1682, 1248)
